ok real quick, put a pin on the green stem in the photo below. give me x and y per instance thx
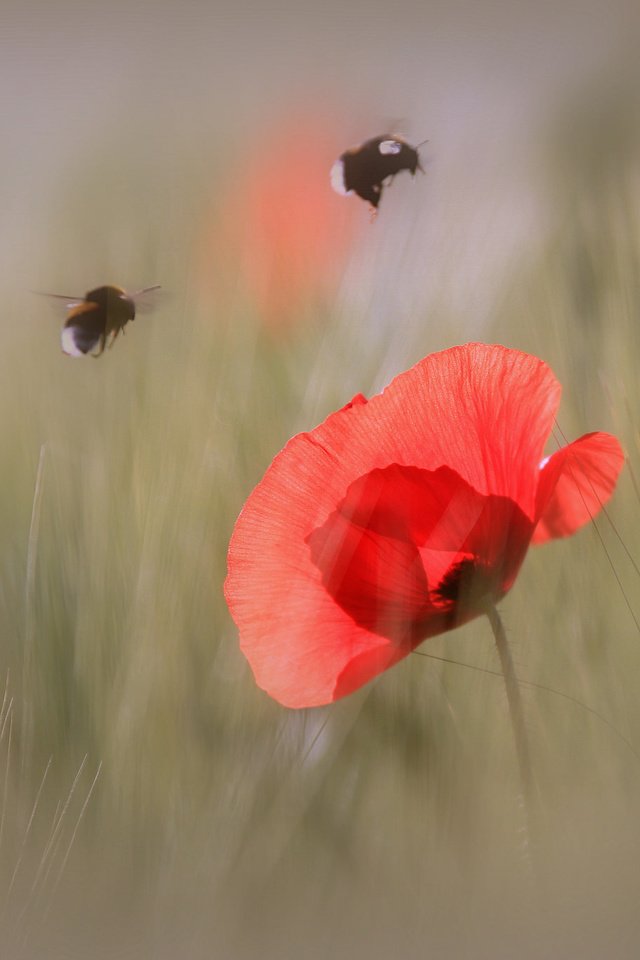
(515, 708)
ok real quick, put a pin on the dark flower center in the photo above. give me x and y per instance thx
(468, 584)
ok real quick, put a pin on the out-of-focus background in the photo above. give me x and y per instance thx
(154, 802)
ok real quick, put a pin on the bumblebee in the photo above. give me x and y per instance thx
(364, 170)
(95, 320)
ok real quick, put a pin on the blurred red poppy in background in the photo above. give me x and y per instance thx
(281, 234)
(404, 516)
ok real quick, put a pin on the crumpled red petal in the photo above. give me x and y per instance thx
(575, 483)
(400, 534)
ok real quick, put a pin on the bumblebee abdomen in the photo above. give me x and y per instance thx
(83, 330)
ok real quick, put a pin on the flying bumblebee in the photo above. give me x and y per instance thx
(364, 170)
(95, 320)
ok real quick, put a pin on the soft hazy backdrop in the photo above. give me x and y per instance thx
(153, 802)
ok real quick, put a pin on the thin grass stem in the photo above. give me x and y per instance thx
(27, 832)
(29, 612)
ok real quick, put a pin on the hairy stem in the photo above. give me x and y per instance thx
(516, 711)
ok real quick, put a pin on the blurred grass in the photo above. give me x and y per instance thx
(221, 824)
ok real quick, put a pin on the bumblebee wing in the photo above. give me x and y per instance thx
(147, 298)
(138, 293)
(70, 301)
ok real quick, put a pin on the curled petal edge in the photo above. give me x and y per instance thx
(575, 483)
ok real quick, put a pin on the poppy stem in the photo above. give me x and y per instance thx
(515, 710)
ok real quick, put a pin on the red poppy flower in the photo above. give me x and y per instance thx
(404, 516)
(281, 234)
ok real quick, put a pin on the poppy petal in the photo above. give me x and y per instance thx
(484, 411)
(393, 552)
(399, 501)
(371, 551)
(378, 580)
(575, 482)
(296, 638)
